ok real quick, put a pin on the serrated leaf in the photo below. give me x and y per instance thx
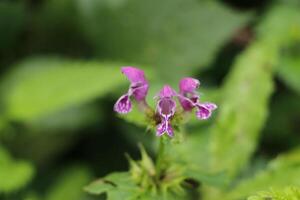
(283, 171)
(38, 87)
(243, 111)
(289, 193)
(118, 186)
(247, 90)
(14, 174)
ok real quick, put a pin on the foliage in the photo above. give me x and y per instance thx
(162, 39)
(40, 86)
(60, 76)
(69, 185)
(291, 193)
(14, 174)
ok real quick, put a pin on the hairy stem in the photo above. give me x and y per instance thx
(160, 157)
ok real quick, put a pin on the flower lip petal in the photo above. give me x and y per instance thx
(205, 110)
(169, 130)
(209, 106)
(123, 105)
(164, 127)
(188, 85)
(161, 129)
(134, 75)
(203, 113)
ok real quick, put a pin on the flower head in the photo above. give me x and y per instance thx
(138, 89)
(189, 98)
(166, 104)
(166, 107)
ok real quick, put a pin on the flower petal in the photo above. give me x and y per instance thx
(167, 91)
(164, 127)
(166, 107)
(205, 109)
(210, 106)
(188, 85)
(186, 103)
(123, 105)
(203, 113)
(134, 75)
(161, 129)
(139, 91)
(169, 130)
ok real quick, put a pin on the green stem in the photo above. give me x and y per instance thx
(160, 156)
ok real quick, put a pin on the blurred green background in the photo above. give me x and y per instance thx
(60, 76)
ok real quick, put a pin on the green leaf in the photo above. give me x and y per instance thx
(194, 156)
(243, 110)
(14, 174)
(247, 90)
(169, 35)
(280, 172)
(67, 120)
(38, 87)
(289, 68)
(118, 186)
(70, 184)
(289, 193)
(283, 22)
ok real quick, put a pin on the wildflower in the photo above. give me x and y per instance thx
(189, 98)
(166, 105)
(138, 89)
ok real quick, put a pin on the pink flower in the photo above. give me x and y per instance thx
(166, 104)
(166, 107)
(138, 89)
(189, 98)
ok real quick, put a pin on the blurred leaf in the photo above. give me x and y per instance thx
(32, 196)
(283, 22)
(289, 193)
(170, 35)
(247, 90)
(194, 156)
(289, 69)
(42, 148)
(69, 185)
(118, 186)
(279, 128)
(12, 20)
(283, 171)
(67, 120)
(243, 110)
(14, 175)
(280, 26)
(214, 179)
(38, 87)
(55, 28)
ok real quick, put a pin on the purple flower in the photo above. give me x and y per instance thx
(166, 104)
(166, 107)
(189, 98)
(138, 89)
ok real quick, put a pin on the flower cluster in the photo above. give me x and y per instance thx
(166, 104)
